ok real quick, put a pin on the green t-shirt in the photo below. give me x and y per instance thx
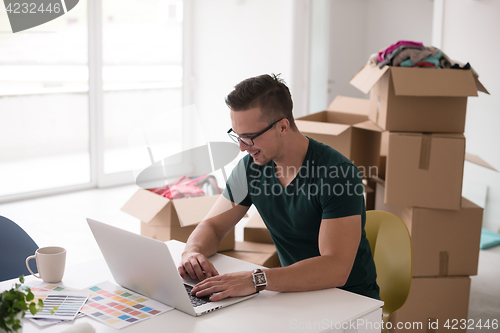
(327, 186)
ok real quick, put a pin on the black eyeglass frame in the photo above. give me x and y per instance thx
(237, 139)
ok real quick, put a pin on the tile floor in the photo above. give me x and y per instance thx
(60, 220)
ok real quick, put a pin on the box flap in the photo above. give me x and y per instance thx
(256, 221)
(480, 86)
(307, 126)
(433, 82)
(318, 116)
(469, 204)
(369, 125)
(145, 205)
(193, 210)
(333, 117)
(367, 77)
(478, 160)
(353, 105)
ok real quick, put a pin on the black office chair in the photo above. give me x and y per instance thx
(15, 246)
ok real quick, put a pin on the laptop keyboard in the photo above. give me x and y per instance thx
(196, 301)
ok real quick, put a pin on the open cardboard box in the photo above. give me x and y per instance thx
(257, 253)
(256, 231)
(444, 242)
(165, 219)
(418, 99)
(425, 170)
(433, 302)
(345, 127)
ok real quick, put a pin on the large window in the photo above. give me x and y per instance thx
(44, 127)
(48, 139)
(142, 79)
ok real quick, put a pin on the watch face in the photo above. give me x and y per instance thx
(260, 278)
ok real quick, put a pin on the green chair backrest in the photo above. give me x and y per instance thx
(390, 243)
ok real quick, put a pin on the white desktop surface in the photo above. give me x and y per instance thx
(314, 311)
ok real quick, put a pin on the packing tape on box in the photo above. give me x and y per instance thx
(425, 152)
(443, 263)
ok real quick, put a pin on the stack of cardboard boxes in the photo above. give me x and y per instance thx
(423, 114)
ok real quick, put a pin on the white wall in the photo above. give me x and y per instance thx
(235, 40)
(470, 31)
(348, 51)
(359, 28)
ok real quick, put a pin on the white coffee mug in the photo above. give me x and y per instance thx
(50, 262)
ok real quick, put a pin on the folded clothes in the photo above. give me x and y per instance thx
(186, 187)
(414, 54)
(382, 54)
(432, 61)
(389, 57)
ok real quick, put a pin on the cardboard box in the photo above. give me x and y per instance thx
(444, 242)
(256, 231)
(382, 167)
(369, 193)
(256, 253)
(425, 170)
(434, 302)
(418, 99)
(346, 128)
(164, 219)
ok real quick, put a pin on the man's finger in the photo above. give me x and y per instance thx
(197, 269)
(207, 283)
(182, 272)
(208, 267)
(189, 269)
(221, 295)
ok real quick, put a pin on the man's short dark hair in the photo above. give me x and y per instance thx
(268, 92)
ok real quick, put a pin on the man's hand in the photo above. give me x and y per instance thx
(196, 266)
(226, 285)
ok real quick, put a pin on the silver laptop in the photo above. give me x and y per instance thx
(145, 265)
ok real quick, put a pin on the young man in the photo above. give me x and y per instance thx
(309, 195)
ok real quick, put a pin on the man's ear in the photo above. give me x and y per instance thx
(284, 126)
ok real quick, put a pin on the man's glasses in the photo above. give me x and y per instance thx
(249, 141)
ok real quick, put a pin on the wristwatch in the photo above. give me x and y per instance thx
(259, 280)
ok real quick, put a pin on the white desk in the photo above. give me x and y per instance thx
(315, 311)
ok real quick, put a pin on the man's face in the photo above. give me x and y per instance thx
(247, 124)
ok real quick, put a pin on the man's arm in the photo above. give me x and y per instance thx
(338, 244)
(205, 239)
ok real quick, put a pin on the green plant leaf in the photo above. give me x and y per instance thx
(33, 309)
(30, 296)
(21, 279)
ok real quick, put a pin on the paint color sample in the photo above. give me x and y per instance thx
(61, 306)
(109, 303)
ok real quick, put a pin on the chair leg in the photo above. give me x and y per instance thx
(385, 320)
